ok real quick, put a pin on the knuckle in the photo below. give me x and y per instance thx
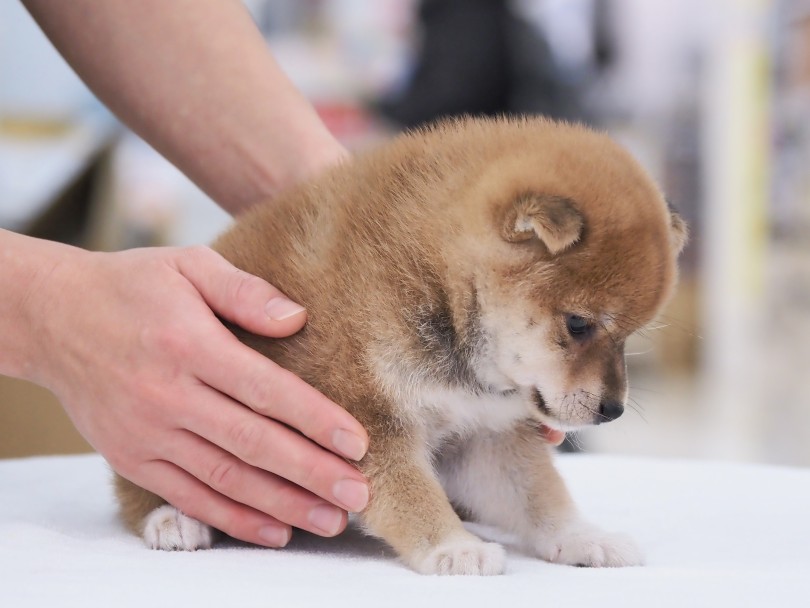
(224, 475)
(164, 338)
(247, 437)
(260, 393)
(161, 405)
(244, 284)
(246, 290)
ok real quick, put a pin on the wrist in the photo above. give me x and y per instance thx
(317, 155)
(28, 267)
(311, 151)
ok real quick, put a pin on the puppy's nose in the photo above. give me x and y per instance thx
(609, 409)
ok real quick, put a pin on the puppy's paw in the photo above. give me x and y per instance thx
(581, 544)
(168, 529)
(462, 555)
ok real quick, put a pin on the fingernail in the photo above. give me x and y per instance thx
(326, 518)
(352, 494)
(279, 309)
(349, 444)
(275, 536)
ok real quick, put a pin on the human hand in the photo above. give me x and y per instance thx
(155, 382)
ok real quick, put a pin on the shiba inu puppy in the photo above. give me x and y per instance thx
(466, 284)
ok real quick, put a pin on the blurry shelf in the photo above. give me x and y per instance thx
(40, 159)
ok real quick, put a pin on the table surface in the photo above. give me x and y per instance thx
(714, 535)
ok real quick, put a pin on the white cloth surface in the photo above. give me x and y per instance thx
(718, 535)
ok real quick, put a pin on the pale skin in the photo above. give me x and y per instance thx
(130, 342)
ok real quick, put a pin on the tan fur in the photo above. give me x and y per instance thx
(437, 273)
(135, 503)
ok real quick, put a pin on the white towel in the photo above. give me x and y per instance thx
(716, 535)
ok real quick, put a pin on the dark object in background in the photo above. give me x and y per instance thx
(479, 57)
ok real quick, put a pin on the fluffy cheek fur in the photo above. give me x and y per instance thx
(524, 354)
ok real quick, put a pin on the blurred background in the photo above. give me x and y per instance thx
(713, 98)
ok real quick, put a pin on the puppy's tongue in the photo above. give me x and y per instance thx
(552, 436)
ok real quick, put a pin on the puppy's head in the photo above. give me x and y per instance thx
(576, 249)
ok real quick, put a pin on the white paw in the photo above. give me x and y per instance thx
(581, 544)
(462, 555)
(168, 529)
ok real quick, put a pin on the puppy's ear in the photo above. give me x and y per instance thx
(554, 220)
(679, 231)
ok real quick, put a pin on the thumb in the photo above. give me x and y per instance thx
(241, 298)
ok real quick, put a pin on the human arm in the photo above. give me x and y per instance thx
(195, 79)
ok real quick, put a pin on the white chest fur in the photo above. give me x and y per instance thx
(445, 411)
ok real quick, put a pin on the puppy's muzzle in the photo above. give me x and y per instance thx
(609, 409)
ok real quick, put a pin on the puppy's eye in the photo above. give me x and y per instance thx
(578, 327)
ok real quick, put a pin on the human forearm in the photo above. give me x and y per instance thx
(26, 266)
(196, 80)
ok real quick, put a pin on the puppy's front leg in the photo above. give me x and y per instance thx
(507, 479)
(410, 511)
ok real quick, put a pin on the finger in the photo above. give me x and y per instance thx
(255, 488)
(274, 447)
(241, 298)
(254, 380)
(195, 499)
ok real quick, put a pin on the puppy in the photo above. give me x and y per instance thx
(464, 284)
